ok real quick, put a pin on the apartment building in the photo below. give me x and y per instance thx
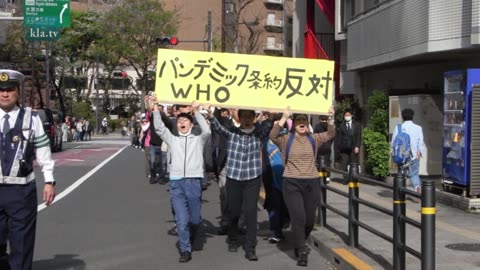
(405, 45)
(262, 27)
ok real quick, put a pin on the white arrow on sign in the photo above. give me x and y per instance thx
(61, 12)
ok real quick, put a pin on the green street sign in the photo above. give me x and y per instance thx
(48, 13)
(42, 33)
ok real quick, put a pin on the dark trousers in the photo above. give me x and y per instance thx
(301, 197)
(347, 158)
(277, 211)
(243, 193)
(18, 216)
(326, 155)
(156, 161)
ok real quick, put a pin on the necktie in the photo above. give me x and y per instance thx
(6, 125)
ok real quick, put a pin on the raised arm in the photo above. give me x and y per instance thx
(330, 133)
(214, 122)
(201, 121)
(278, 126)
(160, 127)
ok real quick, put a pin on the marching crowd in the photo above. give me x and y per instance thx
(244, 150)
(187, 145)
(241, 149)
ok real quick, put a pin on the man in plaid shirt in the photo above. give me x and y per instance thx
(244, 176)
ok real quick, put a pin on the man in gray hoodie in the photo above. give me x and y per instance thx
(186, 172)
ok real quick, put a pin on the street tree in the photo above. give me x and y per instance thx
(28, 58)
(133, 26)
(73, 60)
(242, 26)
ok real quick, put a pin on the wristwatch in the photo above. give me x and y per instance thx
(53, 183)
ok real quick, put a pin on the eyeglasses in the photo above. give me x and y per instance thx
(182, 120)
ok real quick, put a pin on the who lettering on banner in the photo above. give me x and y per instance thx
(245, 81)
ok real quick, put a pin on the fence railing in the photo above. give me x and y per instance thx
(398, 214)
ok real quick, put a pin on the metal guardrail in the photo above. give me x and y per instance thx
(398, 213)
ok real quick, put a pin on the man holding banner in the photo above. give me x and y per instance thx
(244, 176)
(185, 177)
(251, 82)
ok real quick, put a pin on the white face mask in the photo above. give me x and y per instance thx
(247, 131)
(348, 118)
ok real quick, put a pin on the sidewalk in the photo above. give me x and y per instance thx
(457, 234)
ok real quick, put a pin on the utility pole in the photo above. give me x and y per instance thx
(96, 91)
(210, 32)
(47, 78)
(223, 25)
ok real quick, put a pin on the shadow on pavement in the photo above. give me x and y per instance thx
(374, 256)
(206, 230)
(286, 246)
(60, 262)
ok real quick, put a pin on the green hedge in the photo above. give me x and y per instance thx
(378, 153)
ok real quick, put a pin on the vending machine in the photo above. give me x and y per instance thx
(457, 129)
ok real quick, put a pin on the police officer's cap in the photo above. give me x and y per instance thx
(10, 79)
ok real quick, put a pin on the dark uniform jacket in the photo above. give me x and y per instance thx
(347, 140)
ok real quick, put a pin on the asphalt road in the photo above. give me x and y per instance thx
(114, 219)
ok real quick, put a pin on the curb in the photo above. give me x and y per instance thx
(335, 252)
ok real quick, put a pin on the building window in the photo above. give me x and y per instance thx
(353, 8)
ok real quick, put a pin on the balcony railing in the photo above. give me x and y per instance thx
(274, 4)
(276, 23)
(279, 2)
(273, 48)
(274, 26)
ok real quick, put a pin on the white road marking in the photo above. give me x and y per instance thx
(70, 159)
(80, 181)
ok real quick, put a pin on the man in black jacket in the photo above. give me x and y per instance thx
(349, 139)
(157, 172)
(219, 154)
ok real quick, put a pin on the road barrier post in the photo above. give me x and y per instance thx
(322, 208)
(353, 193)
(398, 222)
(428, 225)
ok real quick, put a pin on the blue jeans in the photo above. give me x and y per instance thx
(186, 200)
(413, 173)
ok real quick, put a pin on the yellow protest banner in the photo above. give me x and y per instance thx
(244, 81)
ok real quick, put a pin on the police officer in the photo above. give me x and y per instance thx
(21, 139)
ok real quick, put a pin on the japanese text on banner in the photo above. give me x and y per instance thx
(244, 81)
